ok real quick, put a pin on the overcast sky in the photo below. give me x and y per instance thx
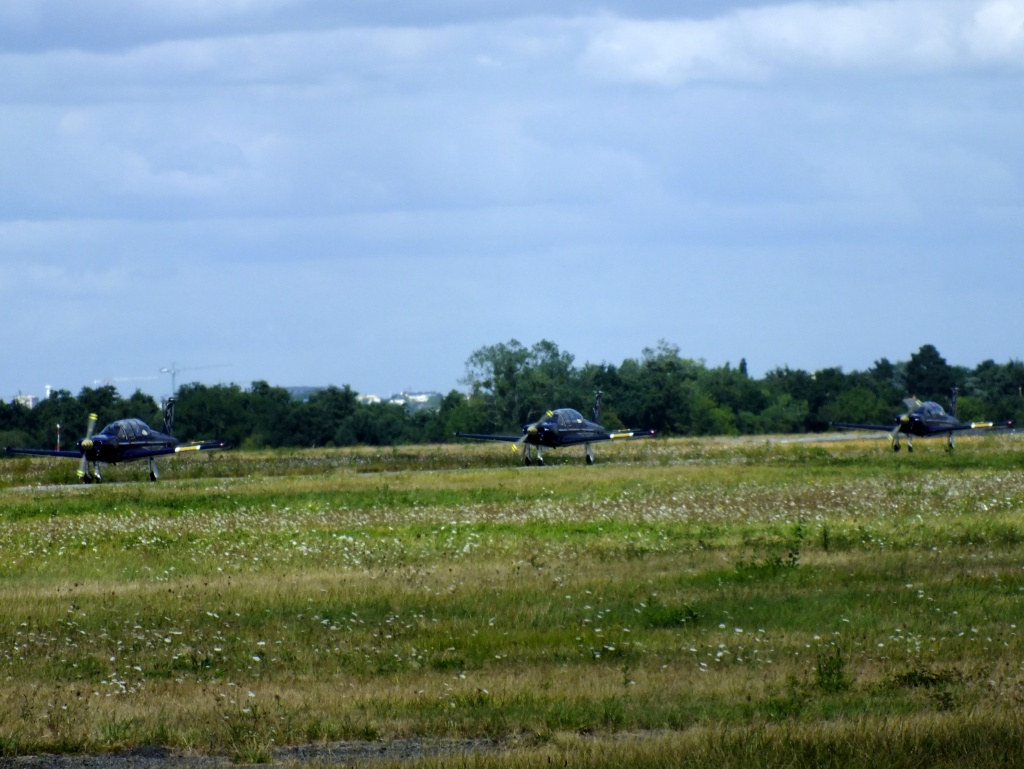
(314, 192)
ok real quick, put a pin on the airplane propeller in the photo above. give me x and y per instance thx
(894, 435)
(531, 430)
(85, 445)
(912, 403)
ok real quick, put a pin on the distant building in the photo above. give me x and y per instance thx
(414, 402)
(28, 401)
(417, 401)
(303, 393)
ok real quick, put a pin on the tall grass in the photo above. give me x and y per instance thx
(684, 602)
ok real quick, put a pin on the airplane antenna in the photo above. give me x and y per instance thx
(952, 400)
(169, 416)
(596, 413)
(58, 436)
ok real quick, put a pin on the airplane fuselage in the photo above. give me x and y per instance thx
(564, 426)
(914, 424)
(119, 440)
(561, 427)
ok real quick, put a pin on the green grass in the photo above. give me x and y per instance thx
(687, 602)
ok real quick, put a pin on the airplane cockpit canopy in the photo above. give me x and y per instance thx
(127, 429)
(932, 409)
(568, 418)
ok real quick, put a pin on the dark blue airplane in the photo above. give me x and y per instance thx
(125, 440)
(558, 428)
(925, 419)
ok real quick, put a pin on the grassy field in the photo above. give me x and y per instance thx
(683, 603)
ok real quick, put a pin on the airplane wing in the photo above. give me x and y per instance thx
(165, 450)
(615, 435)
(857, 426)
(45, 452)
(481, 437)
(968, 426)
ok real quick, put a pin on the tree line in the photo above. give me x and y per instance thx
(508, 385)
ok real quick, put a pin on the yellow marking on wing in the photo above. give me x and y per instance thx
(186, 448)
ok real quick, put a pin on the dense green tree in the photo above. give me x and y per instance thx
(1000, 387)
(659, 391)
(798, 387)
(268, 408)
(494, 375)
(218, 412)
(61, 408)
(102, 401)
(971, 409)
(785, 414)
(142, 406)
(928, 376)
(17, 426)
(315, 422)
(517, 385)
(549, 380)
(859, 404)
(732, 389)
(380, 424)
(510, 385)
(458, 414)
(890, 378)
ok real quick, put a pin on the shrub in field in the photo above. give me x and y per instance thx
(769, 566)
(654, 613)
(921, 676)
(830, 674)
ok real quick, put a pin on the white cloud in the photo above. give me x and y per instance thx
(997, 31)
(904, 36)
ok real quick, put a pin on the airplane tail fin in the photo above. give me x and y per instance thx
(596, 412)
(169, 416)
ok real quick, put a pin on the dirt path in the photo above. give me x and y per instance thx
(342, 753)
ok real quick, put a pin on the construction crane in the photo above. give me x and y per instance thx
(173, 370)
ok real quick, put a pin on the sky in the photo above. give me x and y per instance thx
(312, 192)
